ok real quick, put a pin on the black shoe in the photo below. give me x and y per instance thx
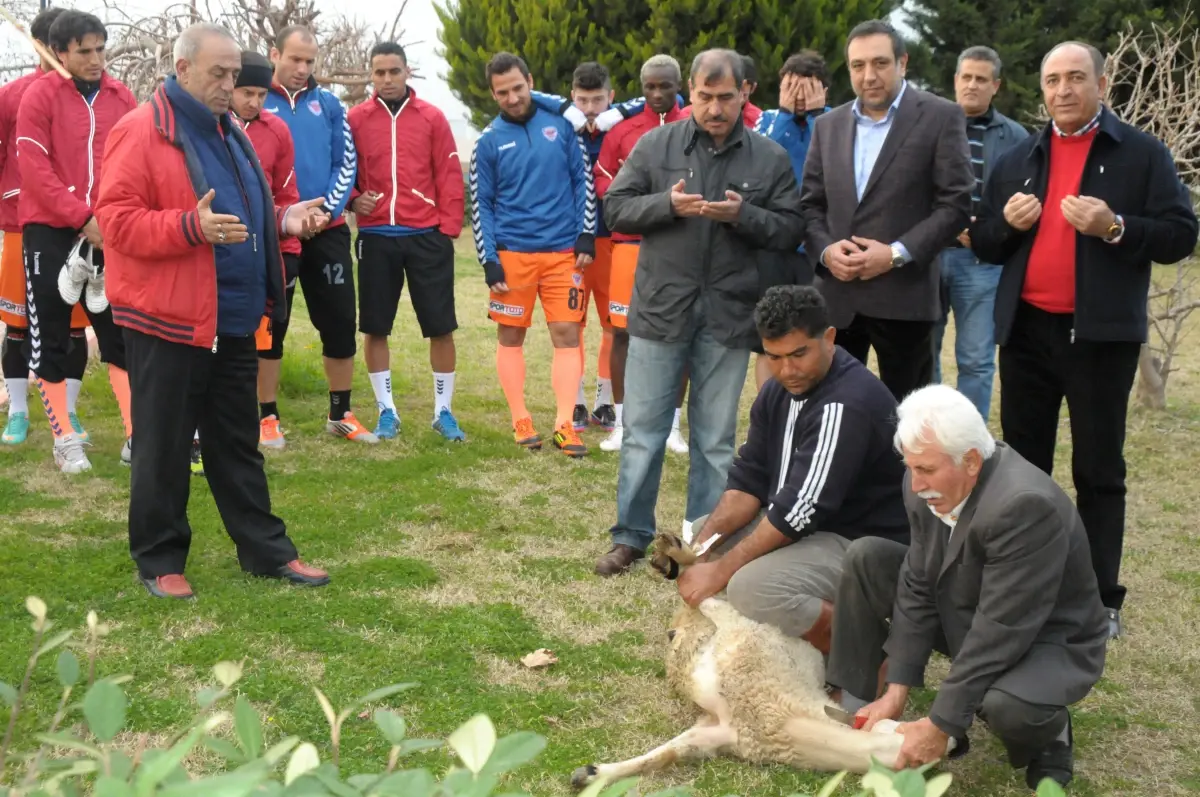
(1115, 630)
(1056, 762)
(579, 418)
(605, 417)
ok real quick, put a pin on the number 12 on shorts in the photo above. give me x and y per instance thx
(334, 273)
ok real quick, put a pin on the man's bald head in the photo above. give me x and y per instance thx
(294, 57)
(1073, 82)
(1096, 56)
(207, 63)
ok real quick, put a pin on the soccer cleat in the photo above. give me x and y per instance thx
(74, 275)
(675, 443)
(197, 460)
(94, 297)
(127, 452)
(566, 440)
(349, 428)
(526, 436)
(16, 430)
(579, 418)
(269, 433)
(389, 424)
(80, 432)
(613, 441)
(447, 426)
(68, 455)
(605, 417)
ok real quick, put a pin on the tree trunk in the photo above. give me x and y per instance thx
(1152, 383)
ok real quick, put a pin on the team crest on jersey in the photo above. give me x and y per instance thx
(551, 133)
(315, 107)
(577, 278)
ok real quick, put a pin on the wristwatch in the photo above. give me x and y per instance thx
(897, 257)
(1115, 230)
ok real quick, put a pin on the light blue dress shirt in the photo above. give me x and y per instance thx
(869, 136)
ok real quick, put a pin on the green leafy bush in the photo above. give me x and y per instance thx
(68, 764)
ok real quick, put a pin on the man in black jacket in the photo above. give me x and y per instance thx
(1076, 215)
(816, 472)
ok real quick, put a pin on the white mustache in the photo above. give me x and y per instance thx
(929, 495)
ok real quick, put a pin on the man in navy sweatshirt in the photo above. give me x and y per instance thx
(816, 472)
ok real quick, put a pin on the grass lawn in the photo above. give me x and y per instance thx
(452, 562)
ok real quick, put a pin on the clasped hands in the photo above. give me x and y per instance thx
(688, 205)
(858, 259)
(1088, 215)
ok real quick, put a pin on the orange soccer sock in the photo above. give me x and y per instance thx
(510, 366)
(565, 373)
(604, 371)
(119, 379)
(54, 399)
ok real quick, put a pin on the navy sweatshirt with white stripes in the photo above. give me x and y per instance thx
(824, 461)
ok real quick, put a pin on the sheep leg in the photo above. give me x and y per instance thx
(699, 741)
(831, 747)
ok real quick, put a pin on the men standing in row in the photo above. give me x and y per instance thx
(695, 288)
(326, 163)
(1076, 215)
(409, 211)
(887, 186)
(661, 82)
(62, 127)
(276, 152)
(15, 363)
(969, 285)
(190, 282)
(533, 215)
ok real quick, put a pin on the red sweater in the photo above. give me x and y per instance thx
(1050, 274)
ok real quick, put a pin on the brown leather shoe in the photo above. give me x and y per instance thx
(618, 560)
(297, 572)
(173, 585)
(821, 634)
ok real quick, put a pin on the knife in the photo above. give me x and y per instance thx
(845, 717)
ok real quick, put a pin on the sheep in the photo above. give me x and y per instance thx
(761, 694)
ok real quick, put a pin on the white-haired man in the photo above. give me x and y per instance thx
(998, 577)
(192, 234)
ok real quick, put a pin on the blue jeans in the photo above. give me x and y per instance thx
(653, 372)
(969, 290)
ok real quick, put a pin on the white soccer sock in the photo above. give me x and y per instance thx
(18, 395)
(580, 398)
(73, 388)
(443, 392)
(619, 410)
(678, 415)
(381, 383)
(603, 392)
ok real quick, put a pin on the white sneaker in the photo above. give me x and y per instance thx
(95, 298)
(613, 441)
(127, 452)
(68, 455)
(73, 276)
(675, 443)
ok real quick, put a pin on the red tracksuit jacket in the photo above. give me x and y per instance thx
(276, 152)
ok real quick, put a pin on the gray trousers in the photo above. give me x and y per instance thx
(785, 587)
(861, 623)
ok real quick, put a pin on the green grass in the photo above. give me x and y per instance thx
(452, 562)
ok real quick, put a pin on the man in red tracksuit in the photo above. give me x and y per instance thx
(661, 82)
(272, 142)
(62, 127)
(409, 204)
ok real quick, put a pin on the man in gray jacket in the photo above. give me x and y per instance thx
(706, 195)
(968, 284)
(998, 577)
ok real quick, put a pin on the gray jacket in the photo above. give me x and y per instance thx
(1012, 591)
(1002, 134)
(693, 270)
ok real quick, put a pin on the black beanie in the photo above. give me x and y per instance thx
(256, 71)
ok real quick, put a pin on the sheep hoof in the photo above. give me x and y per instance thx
(583, 776)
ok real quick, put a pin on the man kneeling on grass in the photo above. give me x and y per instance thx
(816, 472)
(999, 577)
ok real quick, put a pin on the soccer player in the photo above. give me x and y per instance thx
(326, 162)
(661, 82)
(533, 214)
(409, 206)
(750, 111)
(13, 362)
(62, 127)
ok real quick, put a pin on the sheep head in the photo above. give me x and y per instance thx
(671, 555)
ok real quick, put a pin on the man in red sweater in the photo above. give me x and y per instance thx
(1076, 215)
(409, 202)
(62, 127)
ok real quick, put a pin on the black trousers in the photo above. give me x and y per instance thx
(1039, 367)
(862, 610)
(177, 389)
(904, 350)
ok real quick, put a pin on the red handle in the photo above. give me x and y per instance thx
(859, 722)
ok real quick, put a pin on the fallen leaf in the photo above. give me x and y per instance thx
(539, 658)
